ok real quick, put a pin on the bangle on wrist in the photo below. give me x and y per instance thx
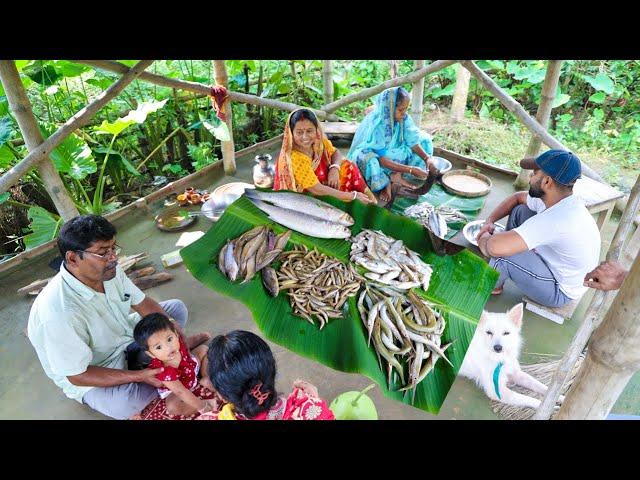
(337, 165)
(410, 170)
(355, 194)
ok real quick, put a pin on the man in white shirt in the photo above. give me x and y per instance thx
(81, 324)
(551, 241)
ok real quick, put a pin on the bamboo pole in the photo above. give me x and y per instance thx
(594, 313)
(228, 151)
(370, 92)
(547, 97)
(526, 119)
(393, 68)
(612, 359)
(327, 81)
(21, 108)
(78, 120)
(459, 102)
(417, 94)
(195, 87)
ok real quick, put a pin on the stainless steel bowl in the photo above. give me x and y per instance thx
(222, 197)
(471, 229)
(441, 164)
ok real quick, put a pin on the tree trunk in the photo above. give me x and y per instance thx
(526, 119)
(228, 151)
(612, 359)
(22, 111)
(79, 120)
(594, 313)
(459, 102)
(370, 92)
(417, 95)
(327, 80)
(549, 88)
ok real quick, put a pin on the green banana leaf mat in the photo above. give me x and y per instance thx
(437, 196)
(460, 286)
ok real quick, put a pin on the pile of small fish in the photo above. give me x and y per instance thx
(318, 285)
(302, 213)
(252, 252)
(388, 261)
(404, 328)
(435, 218)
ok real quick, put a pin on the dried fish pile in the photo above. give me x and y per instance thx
(388, 261)
(405, 331)
(252, 252)
(318, 285)
(434, 217)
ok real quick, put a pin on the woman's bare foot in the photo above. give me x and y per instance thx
(385, 194)
(198, 339)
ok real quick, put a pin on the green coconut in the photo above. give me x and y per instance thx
(354, 406)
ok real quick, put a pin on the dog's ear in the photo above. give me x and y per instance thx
(515, 314)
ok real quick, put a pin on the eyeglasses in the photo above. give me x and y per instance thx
(115, 250)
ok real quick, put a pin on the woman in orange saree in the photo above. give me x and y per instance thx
(309, 162)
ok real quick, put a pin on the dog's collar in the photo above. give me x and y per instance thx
(496, 379)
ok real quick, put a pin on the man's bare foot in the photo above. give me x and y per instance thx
(198, 339)
(497, 291)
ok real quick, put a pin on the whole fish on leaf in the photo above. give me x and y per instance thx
(303, 203)
(270, 281)
(302, 222)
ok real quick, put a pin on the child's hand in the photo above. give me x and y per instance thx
(306, 387)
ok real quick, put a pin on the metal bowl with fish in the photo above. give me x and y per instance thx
(471, 230)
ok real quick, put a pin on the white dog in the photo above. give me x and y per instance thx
(492, 359)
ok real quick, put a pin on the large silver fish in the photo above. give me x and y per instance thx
(302, 203)
(300, 222)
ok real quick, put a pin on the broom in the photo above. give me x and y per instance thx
(544, 373)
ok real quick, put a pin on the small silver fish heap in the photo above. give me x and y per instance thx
(422, 212)
(437, 224)
(389, 262)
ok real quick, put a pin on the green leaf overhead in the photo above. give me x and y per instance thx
(44, 226)
(139, 115)
(73, 156)
(6, 130)
(460, 287)
(600, 82)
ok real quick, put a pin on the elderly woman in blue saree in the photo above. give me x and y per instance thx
(388, 144)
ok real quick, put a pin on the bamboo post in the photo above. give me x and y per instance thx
(370, 92)
(228, 151)
(327, 81)
(80, 119)
(22, 111)
(612, 359)
(393, 68)
(417, 94)
(195, 87)
(549, 88)
(593, 314)
(526, 119)
(459, 102)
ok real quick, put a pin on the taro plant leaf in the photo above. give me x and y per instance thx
(6, 129)
(598, 97)
(216, 127)
(126, 163)
(101, 83)
(4, 104)
(561, 99)
(44, 226)
(459, 287)
(600, 82)
(73, 156)
(43, 73)
(6, 157)
(4, 197)
(69, 69)
(139, 115)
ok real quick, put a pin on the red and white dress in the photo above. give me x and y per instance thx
(187, 371)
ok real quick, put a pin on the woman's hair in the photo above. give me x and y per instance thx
(150, 324)
(303, 114)
(401, 95)
(242, 369)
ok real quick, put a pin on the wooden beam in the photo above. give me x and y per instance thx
(547, 97)
(228, 152)
(369, 92)
(594, 313)
(327, 81)
(417, 94)
(526, 119)
(459, 102)
(612, 359)
(21, 108)
(78, 120)
(195, 87)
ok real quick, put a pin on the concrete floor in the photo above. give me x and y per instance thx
(26, 393)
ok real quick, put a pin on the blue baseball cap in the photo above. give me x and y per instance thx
(561, 165)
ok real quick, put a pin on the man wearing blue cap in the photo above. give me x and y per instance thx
(551, 241)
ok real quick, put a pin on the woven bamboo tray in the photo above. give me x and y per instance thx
(461, 192)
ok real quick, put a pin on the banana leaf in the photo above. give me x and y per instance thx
(438, 196)
(460, 286)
